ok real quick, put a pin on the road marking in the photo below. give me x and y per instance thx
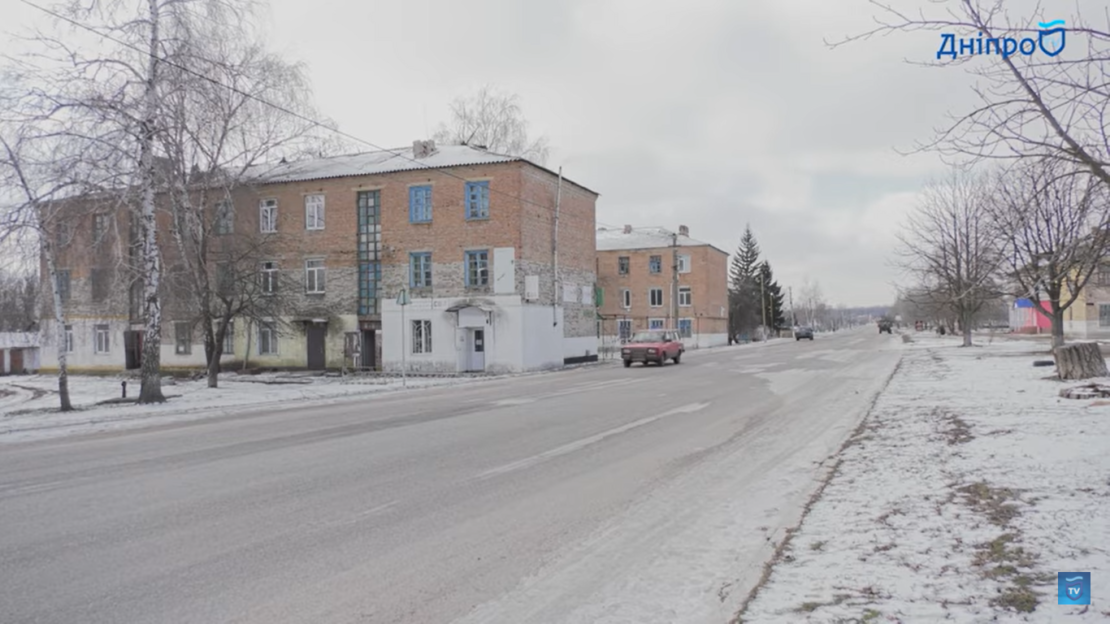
(511, 402)
(578, 445)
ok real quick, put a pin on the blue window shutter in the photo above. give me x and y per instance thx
(466, 267)
(412, 204)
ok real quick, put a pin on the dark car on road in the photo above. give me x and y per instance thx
(653, 346)
(886, 326)
(803, 332)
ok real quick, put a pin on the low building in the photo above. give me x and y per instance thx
(1025, 318)
(653, 278)
(19, 353)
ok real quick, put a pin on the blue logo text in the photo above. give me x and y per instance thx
(1051, 40)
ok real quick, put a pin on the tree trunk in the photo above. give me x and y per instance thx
(59, 334)
(1057, 325)
(213, 350)
(965, 328)
(151, 370)
(1082, 360)
(247, 353)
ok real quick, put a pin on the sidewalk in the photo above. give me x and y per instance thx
(964, 493)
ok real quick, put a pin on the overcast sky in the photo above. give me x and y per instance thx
(705, 113)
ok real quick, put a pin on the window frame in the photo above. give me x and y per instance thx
(626, 298)
(63, 286)
(314, 212)
(482, 210)
(224, 222)
(655, 265)
(229, 339)
(657, 324)
(423, 258)
(685, 296)
(624, 265)
(67, 335)
(99, 227)
(651, 297)
(268, 277)
(319, 281)
(685, 263)
(624, 330)
(1103, 314)
(104, 331)
(420, 203)
(420, 339)
(268, 206)
(182, 338)
(686, 327)
(468, 256)
(270, 329)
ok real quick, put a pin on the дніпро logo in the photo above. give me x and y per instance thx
(1048, 30)
(1051, 40)
(1073, 588)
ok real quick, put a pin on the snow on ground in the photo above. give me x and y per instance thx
(28, 404)
(969, 487)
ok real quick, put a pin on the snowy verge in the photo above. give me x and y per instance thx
(968, 488)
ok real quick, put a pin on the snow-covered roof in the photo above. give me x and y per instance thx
(18, 340)
(383, 161)
(643, 238)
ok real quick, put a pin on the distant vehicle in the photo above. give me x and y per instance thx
(803, 332)
(885, 326)
(653, 346)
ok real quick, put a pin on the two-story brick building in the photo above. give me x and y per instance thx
(478, 240)
(655, 278)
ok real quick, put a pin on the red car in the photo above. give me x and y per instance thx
(653, 346)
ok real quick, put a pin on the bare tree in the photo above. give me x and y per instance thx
(1053, 221)
(19, 295)
(811, 301)
(950, 248)
(220, 132)
(493, 119)
(1041, 104)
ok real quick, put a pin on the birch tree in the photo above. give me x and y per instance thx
(494, 119)
(1054, 223)
(949, 246)
(1051, 102)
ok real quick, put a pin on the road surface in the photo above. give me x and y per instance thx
(594, 495)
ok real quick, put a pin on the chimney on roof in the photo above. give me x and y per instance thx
(683, 230)
(422, 149)
(628, 229)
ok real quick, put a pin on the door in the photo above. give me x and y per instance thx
(368, 349)
(16, 361)
(477, 350)
(132, 349)
(315, 335)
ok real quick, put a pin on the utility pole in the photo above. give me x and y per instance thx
(674, 280)
(793, 316)
(763, 304)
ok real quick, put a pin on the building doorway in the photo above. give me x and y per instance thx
(368, 350)
(475, 350)
(133, 349)
(316, 335)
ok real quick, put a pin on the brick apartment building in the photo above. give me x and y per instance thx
(470, 235)
(654, 278)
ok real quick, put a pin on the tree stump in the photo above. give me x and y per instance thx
(1082, 360)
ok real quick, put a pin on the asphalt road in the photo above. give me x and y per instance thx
(594, 495)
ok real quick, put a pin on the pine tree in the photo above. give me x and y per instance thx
(743, 297)
(772, 297)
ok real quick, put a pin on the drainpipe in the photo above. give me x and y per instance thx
(555, 254)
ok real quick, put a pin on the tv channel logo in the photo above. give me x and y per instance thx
(1074, 588)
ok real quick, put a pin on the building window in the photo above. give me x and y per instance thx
(100, 227)
(229, 338)
(1102, 277)
(477, 200)
(477, 268)
(100, 338)
(685, 327)
(62, 277)
(314, 212)
(626, 298)
(269, 277)
(655, 264)
(421, 337)
(685, 296)
(62, 235)
(267, 216)
(267, 339)
(1104, 315)
(683, 264)
(225, 279)
(69, 338)
(656, 323)
(225, 217)
(314, 273)
(622, 265)
(420, 204)
(99, 279)
(183, 338)
(655, 297)
(624, 329)
(420, 270)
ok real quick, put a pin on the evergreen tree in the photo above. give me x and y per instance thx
(743, 297)
(772, 297)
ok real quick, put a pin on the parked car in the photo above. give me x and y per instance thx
(653, 346)
(885, 326)
(803, 332)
